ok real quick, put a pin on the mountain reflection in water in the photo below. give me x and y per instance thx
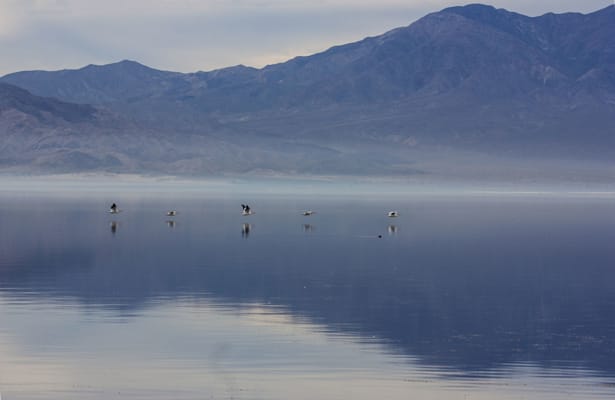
(461, 289)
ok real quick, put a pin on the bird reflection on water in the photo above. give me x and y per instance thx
(113, 225)
(392, 230)
(245, 230)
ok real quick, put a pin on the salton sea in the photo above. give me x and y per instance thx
(460, 297)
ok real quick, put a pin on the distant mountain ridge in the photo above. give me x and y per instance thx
(472, 78)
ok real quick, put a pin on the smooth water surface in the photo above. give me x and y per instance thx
(459, 298)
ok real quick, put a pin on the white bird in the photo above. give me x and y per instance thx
(171, 213)
(393, 214)
(308, 213)
(246, 210)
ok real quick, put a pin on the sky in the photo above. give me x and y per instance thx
(202, 35)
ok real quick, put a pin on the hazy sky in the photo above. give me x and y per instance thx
(192, 35)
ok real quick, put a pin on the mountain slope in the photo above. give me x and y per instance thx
(468, 79)
(47, 135)
(45, 109)
(450, 49)
(125, 80)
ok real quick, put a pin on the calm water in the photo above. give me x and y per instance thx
(459, 299)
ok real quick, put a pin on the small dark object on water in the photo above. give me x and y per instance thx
(380, 236)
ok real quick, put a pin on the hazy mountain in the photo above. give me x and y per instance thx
(466, 79)
(42, 134)
(44, 109)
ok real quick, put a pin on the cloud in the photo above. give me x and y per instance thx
(10, 18)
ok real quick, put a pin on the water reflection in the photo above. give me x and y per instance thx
(171, 223)
(479, 291)
(245, 230)
(113, 225)
(308, 227)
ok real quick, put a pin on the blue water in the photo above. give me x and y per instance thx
(457, 298)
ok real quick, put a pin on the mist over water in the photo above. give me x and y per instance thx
(476, 295)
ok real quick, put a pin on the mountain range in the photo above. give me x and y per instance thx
(467, 87)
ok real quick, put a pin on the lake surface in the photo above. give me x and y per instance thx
(460, 298)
